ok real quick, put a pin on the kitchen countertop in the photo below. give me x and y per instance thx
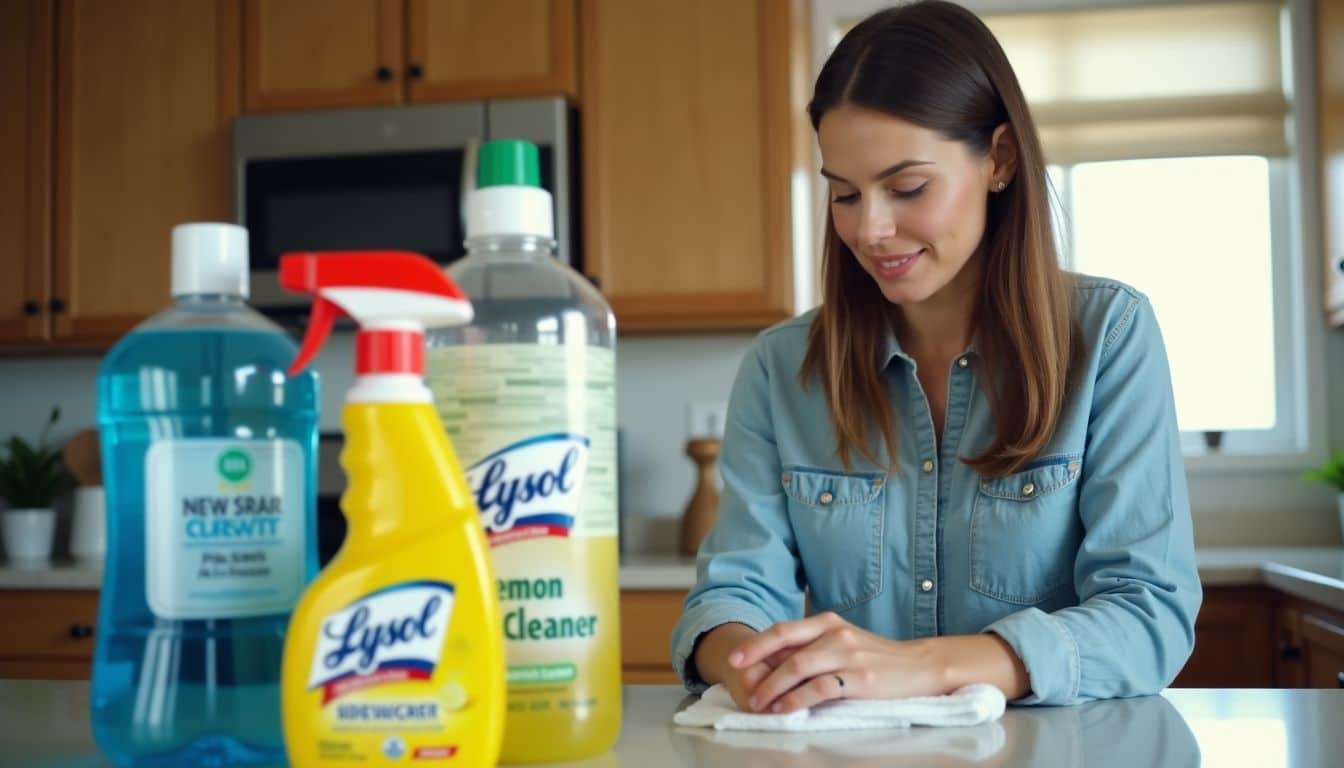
(45, 725)
(1315, 574)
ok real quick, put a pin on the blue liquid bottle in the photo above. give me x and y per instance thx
(209, 456)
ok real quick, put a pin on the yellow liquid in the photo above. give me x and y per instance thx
(561, 719)
(412, 523)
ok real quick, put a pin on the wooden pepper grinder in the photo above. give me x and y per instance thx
(703, 508)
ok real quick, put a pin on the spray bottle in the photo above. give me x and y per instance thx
(395, 651)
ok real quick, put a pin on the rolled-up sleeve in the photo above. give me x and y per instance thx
(1135, 571)
(747, 570)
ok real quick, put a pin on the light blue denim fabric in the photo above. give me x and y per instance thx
(1083, 561)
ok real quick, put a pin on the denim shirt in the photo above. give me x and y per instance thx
(1082, 561)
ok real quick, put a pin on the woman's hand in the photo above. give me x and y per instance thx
(824, 657)
(711, 660)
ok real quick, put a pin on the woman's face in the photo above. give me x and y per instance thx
(909, 203)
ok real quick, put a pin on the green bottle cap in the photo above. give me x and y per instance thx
(508, 162)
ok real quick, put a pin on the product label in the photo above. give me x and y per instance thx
(535, 426)
(530, 488)
(224, 527)
(390, 636)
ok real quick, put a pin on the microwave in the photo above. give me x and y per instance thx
(386, 178)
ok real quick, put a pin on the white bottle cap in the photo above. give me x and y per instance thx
(210, 258)
(510, 210)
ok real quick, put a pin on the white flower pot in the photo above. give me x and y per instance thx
(29, 534)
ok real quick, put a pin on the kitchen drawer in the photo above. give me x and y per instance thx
(48, 624)
(647, 620)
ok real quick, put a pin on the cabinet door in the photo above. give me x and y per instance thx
(1330, 85)
(688, 149)
(647, 620)
(465, 49)
(146, 91)
(55, 638)
(1323, 651)
(311, 54)
(1233, 641)
(26, 36)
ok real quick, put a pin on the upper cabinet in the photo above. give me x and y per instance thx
(27, 34)
(312, 54)
(693, 129)
(146, 93)
(118, 119)
(1330, 91)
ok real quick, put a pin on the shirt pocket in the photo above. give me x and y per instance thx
(837, 522)
(1025, 532)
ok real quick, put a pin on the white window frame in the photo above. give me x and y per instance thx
(1299, 437)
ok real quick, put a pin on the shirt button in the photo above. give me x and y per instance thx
(825, 497)
(927, 466)
(926, 585)
(1028, 489)
(963, 362)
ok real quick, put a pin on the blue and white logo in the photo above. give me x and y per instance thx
(531, 488)
(394, 747)
(389, 636)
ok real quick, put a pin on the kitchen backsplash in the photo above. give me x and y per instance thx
(658, 377)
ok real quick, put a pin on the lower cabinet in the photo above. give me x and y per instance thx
(1310, 645)
(51, 637)
(1234, 640)
(647, 620)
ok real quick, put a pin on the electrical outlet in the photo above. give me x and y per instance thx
(705, 418)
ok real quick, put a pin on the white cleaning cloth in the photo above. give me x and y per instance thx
(973, 704)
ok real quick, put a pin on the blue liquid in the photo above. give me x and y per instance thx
(169, 692)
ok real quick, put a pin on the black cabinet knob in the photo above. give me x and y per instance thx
(1340, 264)
(1339, 678)
(31, 308)
(1289, 651)
(415, 71)
(80, 631)
(384, 73)
(56, 306)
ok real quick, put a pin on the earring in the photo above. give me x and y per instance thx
(1002, 185)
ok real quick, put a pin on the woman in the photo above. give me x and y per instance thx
(966, 457)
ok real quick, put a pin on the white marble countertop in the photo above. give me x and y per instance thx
(1315, 574)
(47, 727)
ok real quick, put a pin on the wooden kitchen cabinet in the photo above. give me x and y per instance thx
(313, 54)
(693, 129)
(130, 138)
(146, 93)
(54, 638)
(1234, 636)
(1311, 646)
(1330, 92)
(647, 620)
(27, 36)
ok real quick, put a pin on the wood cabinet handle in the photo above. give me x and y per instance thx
(384, 73)
(80, 631)
(31, 308)
(56, 306)
(415, 72)
(1289, 652)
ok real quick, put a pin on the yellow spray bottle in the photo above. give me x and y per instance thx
(394, 654)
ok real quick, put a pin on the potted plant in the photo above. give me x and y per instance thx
(1332, 474)
(32, 478)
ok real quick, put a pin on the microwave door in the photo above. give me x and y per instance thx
(388, 178)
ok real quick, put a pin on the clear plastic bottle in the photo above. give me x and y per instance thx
(527, 395)
(209, 465)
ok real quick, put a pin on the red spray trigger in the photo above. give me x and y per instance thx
(379, 289)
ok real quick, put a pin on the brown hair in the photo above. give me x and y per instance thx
(937, 65)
